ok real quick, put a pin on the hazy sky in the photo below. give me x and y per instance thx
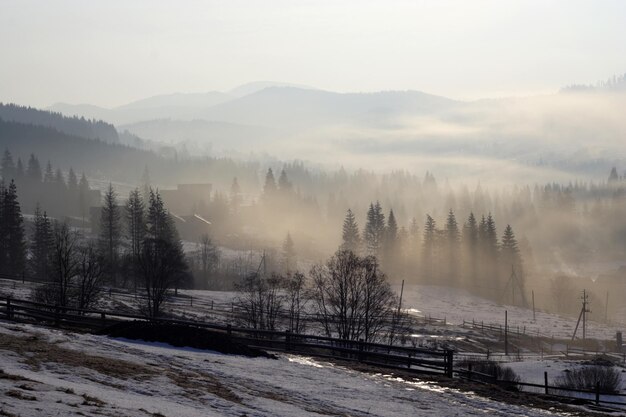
(112, 52)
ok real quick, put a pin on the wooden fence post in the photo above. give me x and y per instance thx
(361, 350)
(9, 309)
(597, 392)
(545, 380)
(287, 340)
(103, 318)
(450, 363)
(57, 316)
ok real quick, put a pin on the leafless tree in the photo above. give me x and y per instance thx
(64, 262)
(261, 300)
(297, 298)
(90, 275)
(353, 298)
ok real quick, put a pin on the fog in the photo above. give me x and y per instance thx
(254, 165)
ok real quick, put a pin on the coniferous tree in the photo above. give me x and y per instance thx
(270, 188)
(510, 253)
(7, 167)
(83, 196)
(289, 259)
(48, 176)
(19, 171)
(72, 192)
(390, 242)
(110, 231)
(284, 185)
(33, 171)
(13, 244)
(161, 262)
(41, 246)
(452, 248)
(146, 184)
(135, 221)
(470, 247)
(429, 248)
(374, 230)
(351, 238)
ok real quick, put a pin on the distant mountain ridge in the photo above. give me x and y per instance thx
(76, 126)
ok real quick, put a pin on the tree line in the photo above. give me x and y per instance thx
(73, 267)
(61, 195)
(469, 255)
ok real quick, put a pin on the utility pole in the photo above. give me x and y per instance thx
(583, 314)
(506, 331)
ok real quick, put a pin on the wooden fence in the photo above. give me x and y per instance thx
(389, 356)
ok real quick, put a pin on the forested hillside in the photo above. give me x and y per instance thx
(90, 129)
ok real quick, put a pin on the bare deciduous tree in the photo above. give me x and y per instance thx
(261, 300)
(90, 275)
(297, 298)
(354, 299)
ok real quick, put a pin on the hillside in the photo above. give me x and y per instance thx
(75, 125)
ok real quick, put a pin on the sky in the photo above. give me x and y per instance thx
(109, 53)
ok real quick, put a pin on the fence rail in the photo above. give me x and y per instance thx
(391, 356)
(419, 360)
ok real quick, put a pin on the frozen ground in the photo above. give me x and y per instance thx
(55, 373)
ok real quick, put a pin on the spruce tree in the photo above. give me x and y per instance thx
(270, 188)
(452, 247)
(110, 230)
(12, 232)
(429, 247)
(83, 196)
(374, 229)
(48, 176)
(470, 247)
(72, 191)
(161, 261)
(135, 221)
(19, 171)
(284, 185)
(33, 171)
(7, 167)
(509, 248)
(351, 239)
(289, 261)
(41, 246)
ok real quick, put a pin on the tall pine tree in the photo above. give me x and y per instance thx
(351, 239)
(110, 231)
(13, 244)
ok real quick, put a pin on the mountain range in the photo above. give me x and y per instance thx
(564, 131)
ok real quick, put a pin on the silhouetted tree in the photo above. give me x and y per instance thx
(351, 239)
(13, 244)
(110, 231)
(429, 248)
(374, 229)
(33, 171)
(352, 296)
(452, 252)
(41, 246)
(7, 167)
(289, 259)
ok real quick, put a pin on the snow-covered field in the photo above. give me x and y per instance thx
(49, 372)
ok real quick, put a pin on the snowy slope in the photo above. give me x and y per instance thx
(54, 373)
